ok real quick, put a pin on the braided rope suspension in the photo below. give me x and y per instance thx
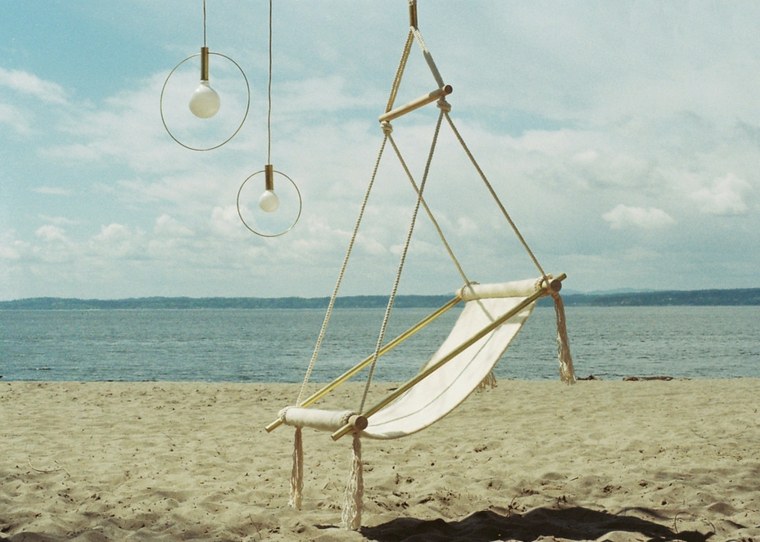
(400, 70)
(490, 188)
(387, 130)
(414, 35)
(344, 265)
(442, 104)
(402, 259)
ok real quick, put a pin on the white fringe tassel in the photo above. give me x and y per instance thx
(352, 504)
(296, 475)
(566, 371)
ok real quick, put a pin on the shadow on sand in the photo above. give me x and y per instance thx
(485, 526)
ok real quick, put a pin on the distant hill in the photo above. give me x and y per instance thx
(742, 296)
(369, 301)
(746, 296)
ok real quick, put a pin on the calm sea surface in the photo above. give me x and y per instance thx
(276, 345)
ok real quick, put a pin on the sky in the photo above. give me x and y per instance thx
(622, 138)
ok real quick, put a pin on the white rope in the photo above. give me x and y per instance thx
(428, 211)
(400, 71)
(334, 296)
(496, 197)
(414, 33)
(566, 370)
(445, 108)
(351, 517)
(387, 128)
(428, 58)
(402, 259)
(296, 475)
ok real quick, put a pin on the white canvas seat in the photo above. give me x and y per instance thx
(443, 390)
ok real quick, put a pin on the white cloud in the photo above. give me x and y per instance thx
(52, 191)
(74, 153)
(113, 232)
(31, 85)
(726, 196)
(58, 220)
(168, 226)
(10, 249)
(125, 130)
(329, 94)
(117, 241)
(12, 117)
(623, 217)
(225, 222)
(50, 233)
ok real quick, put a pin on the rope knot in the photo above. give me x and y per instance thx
(443, 105)
(387, 127)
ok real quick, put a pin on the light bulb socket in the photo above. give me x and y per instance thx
(269, 177)
(204, 63)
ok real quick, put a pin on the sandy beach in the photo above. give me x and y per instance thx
(600, 460)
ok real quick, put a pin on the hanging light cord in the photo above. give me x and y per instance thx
(204, 23)
(269, 92)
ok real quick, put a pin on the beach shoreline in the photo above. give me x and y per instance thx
(527, 460)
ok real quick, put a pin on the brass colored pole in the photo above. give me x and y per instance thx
(445, 90)
(366, 361)
(413, 13)
(204, 63)
(269, 177)
(555, 285)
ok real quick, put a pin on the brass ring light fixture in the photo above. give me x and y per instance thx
(269, 201)
(204, 102)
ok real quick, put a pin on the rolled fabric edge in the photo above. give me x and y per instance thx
(320, 419)
(515, 288)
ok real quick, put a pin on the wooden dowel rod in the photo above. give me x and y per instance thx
(358, 422)
(445, 90)
(366, 361)
(555, 286)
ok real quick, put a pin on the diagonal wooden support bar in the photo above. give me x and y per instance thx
(422, 101)
(554, 286)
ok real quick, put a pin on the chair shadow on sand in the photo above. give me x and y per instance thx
(570, 523)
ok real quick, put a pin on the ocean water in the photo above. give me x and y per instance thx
(276, 345)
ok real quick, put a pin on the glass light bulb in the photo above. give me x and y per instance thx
(204, 102)
(269, 202)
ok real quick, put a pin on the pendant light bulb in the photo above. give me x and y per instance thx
(204, 103)
(269, 202)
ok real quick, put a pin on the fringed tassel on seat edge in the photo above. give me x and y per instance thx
(566, 370)
(351, 518)
(296, 475)
(488, 382)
